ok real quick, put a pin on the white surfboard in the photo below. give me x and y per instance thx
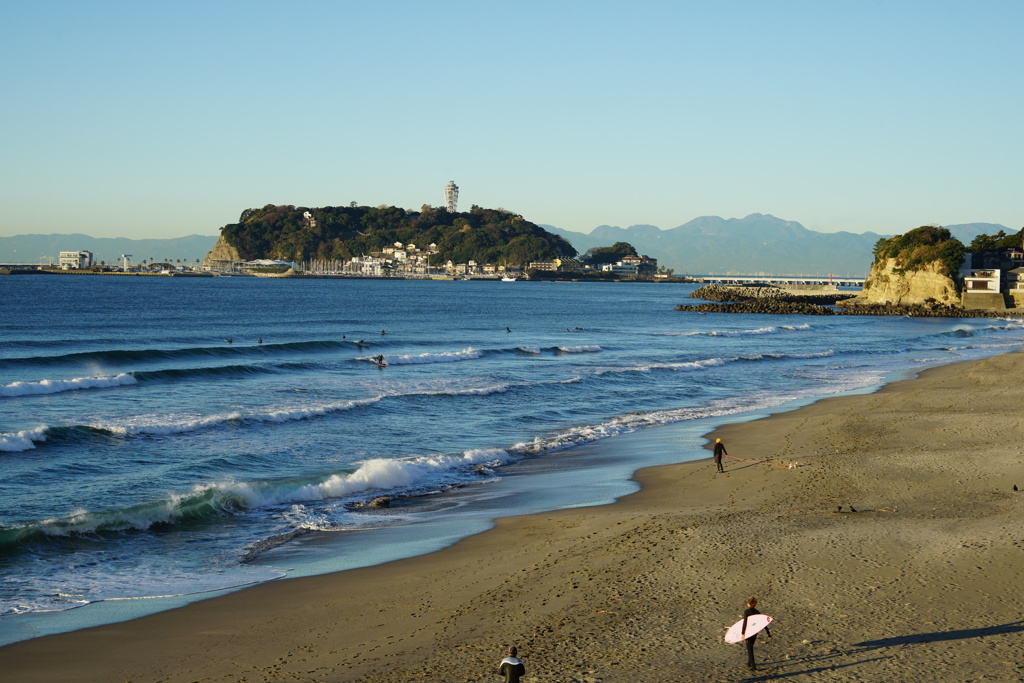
(755, 624)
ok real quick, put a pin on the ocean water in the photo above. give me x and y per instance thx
(145, 460)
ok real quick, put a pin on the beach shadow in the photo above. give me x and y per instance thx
(939, 636)
(812, 664)
(737, 468)
(778, 675)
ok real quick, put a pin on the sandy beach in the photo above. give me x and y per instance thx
(920, 583)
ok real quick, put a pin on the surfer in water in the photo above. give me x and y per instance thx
(512, 667)
(719, 452)
(749, 612)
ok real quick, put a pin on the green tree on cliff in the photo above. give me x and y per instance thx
(922, 246)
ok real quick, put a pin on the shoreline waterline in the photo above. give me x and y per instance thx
(653, 482)
(610, 480)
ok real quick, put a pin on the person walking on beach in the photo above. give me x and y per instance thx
(719, 452)
(749, 641)
(512, 667)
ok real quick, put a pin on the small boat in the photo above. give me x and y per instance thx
(509, 278)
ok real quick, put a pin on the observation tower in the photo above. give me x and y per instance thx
(451, 196)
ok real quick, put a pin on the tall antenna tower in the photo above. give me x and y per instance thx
(451, 196)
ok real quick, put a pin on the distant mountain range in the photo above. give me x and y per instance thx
(42, 248)
(759, 243)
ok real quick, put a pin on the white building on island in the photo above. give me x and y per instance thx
(451, 196)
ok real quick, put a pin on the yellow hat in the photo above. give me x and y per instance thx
(718, 441)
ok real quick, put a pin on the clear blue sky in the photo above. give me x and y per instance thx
(163, 119)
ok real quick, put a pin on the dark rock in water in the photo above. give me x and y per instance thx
(379, 502)
(921, 311)
(773, 300)
(761, 306)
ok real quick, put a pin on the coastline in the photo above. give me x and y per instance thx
(922, 575)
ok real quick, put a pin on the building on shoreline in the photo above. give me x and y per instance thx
(993, 279)
(75, 260)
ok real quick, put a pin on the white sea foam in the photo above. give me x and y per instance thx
(632, 422)
(189, 423)
(771, 329)
(185, 424)
(449, 357)
(24, 440)
(180, 426)
(587, 348)
(476, 391)
(387, 474)
(56, 386)
(378, 474)
(527, 349)
(689, 366)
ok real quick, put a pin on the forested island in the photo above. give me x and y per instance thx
(291, 233)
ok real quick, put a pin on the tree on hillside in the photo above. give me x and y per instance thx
(599, 256)
(482, 235)
(997, 242)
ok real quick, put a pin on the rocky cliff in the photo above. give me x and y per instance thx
(889, 285)
(222, 251)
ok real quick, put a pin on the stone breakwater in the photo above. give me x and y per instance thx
(927, 311)
(764, 300)
(724, 293)
(775, 301)
(772, 306)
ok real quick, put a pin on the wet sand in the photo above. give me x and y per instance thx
(921, 583)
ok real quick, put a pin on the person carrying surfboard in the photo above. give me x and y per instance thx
(749, 641)
(719, 452)
(512, 667)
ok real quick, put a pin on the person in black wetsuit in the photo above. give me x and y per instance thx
(719, 452)
(512, 667)
(749, 642)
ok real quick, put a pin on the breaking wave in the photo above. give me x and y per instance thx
(206, 502)
(771, 329)
(588, 348)
(56, 386)
(707, 363)
(410, 359)
(24, 440)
